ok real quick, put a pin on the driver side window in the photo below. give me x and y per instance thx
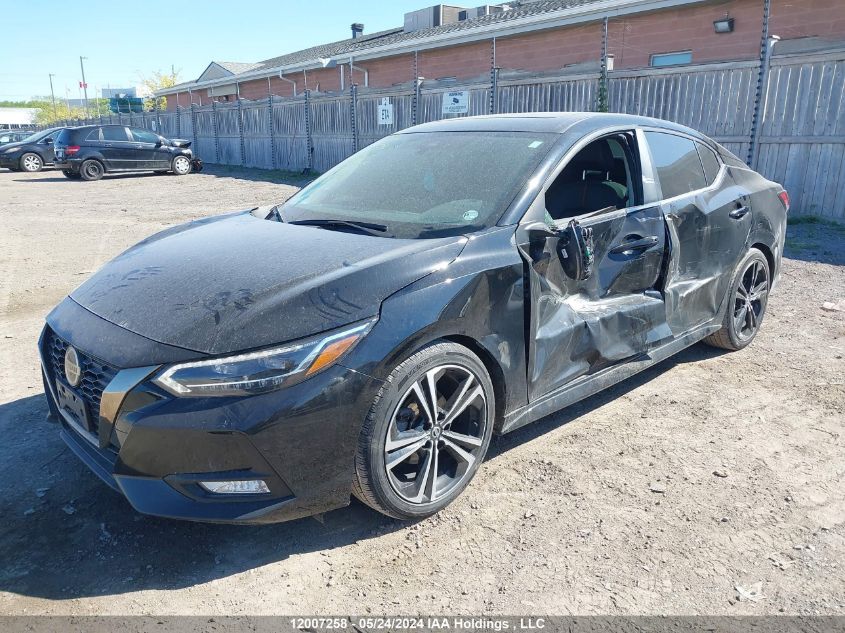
(603, 175)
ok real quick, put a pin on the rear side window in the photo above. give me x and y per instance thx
(115, 134)
(143, 136)
(730, 159)
(676, 162)
(710, 163)
(93, 135)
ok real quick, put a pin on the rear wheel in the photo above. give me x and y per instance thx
(426, 433)
(181, 165)
(73, 175)
(91, 170)
(31, 162)
(749, 294)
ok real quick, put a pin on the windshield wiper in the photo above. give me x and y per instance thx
(369, 228)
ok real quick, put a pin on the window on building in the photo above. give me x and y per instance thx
(710, 163)
(671, 59)
(676, 162)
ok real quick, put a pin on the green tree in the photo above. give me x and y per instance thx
(47, 115)
(157, 81)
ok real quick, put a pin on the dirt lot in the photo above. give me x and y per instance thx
(564, 517)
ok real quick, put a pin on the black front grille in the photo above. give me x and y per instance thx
(95, 373)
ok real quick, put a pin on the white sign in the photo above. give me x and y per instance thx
(385, 112)
(456, 102)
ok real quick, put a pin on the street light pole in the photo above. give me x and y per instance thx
(53, 96)
(84, 85)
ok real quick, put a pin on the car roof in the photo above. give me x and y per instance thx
(554, 122)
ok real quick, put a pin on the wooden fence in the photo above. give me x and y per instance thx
(800, 142)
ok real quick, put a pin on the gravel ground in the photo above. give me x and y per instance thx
(710, 484)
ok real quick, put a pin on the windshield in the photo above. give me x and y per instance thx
(421, 185)
(34, 138)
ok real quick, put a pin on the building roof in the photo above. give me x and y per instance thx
(17, 116)
(236, 68)
(519, 10)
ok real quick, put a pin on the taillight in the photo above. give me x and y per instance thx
(71, 149)
(784, 197)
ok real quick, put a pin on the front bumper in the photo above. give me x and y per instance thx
(300, 440)
(10, 161)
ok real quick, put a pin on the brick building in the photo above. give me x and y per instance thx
(445, 41)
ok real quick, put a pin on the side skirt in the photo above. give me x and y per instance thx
(588, 385)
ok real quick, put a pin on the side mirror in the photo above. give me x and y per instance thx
(159, 143)
(540, 231)
(48, 140)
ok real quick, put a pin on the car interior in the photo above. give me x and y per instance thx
(599, 178)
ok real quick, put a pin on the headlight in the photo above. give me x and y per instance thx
(264, 370)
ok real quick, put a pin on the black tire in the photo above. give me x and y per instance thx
(72, 175)
(91, 170)
(747, 298)
(387, 490)
(31, 163)
(181, 165)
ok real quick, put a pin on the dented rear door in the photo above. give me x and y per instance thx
(708, 218)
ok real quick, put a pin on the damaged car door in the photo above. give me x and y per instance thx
(708, 217)
(594, 243)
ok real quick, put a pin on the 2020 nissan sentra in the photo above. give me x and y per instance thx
(368, 336)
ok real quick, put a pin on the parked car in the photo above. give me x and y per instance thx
(31, 154)
(13, 136)
(368, 336)
(91, 151)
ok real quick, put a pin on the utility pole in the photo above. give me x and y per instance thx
(53, 96)
(84, 85)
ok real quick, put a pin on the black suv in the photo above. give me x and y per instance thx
(91, 151)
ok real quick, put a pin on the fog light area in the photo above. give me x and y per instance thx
(248, 487)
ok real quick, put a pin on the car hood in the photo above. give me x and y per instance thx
(237, 282)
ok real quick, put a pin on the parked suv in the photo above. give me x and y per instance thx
(91, 151)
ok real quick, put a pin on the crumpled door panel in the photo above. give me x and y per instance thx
(578, 327)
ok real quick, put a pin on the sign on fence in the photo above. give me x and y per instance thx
(456, 102)
(385, 112)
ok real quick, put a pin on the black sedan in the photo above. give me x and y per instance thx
(91, 151)
(31, 154)
(454, 280)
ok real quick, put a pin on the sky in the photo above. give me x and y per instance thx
(124, 41)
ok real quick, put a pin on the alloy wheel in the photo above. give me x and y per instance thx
(31, 163)
(750, 299)
(435, 434)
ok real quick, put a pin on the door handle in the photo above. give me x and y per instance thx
(639, 244)
(739, 212)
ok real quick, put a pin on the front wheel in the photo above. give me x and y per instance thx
(31, 162)
(181, 165)
(426, 433)
(91, 170)
(747, 299)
